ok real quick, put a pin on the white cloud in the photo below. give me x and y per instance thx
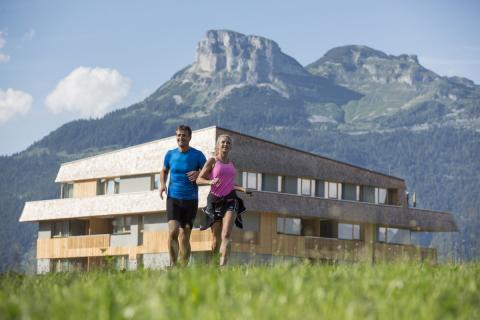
(88, 91)
(29, 35)
(3, 57)
(13, 102)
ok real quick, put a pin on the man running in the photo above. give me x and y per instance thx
(183, 164)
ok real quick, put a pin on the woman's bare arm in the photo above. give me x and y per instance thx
(202, 179)
(242, 189)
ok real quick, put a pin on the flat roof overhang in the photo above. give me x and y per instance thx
(280, 203)
(352, 211)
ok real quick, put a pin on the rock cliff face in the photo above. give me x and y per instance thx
(241, 58)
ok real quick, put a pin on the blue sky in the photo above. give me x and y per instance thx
(66, 60)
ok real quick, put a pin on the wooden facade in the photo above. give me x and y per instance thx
(267, 241)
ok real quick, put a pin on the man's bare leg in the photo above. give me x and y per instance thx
(184, 240)
(173, 247)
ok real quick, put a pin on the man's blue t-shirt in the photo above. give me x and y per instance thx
(179, 164)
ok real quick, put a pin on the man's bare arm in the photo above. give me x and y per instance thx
(163, 181)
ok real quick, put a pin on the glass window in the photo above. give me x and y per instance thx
(121, 263)
(356, 231)
(328, 229)
(101, 185)
(382, 195)
(320, 188)
(280, 225)
(348, 231)
(399, 236)
(238, 178)
(382, 234)
(61, 229)
(333, 190)
(78, 227)
(251, 180)
(156, 181)
(349, 192)
(269, 182)
(291, 226)
(289, 185)
(67, 190)
(367, 194)
(121, 224)
(306, 187)
(135, 184)
(113, 186)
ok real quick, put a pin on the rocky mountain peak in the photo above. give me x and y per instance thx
(235, 58)
(350, 65)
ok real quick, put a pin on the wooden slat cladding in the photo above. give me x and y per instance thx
(267, 242)
(79, 246)
(87, 188)
(396, 252)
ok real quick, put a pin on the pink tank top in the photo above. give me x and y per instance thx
(225, 172)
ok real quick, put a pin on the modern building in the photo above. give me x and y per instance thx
(304, 206)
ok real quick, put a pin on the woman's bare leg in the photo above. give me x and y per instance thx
(216, 236)
(228, 220)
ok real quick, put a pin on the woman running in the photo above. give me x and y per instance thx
(223, 205)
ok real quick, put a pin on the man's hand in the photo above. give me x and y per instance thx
(192, 175)
(162, 190)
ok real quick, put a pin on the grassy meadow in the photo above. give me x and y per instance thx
(384, 291)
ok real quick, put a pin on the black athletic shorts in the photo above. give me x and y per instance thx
(183, 211)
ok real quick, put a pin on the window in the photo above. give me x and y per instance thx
(399, 236)
(113, 186)
(320, 188)
(289, 226)
(121, 224)
(306, 187)
(328, 229)
(348, 231)
(251, 180)
(156, 181)
(381, 196)
(121, 263)
(134, 184)
(61, 229)
(67, 190)
(269, 182)
(289, 185)
(101, 185)
(238, 179)
(67, 228)
(333, 190)
(394, 235)
(367, 194)
(349, 192)
(64, 265)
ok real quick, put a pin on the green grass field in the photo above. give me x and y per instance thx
(282, 292)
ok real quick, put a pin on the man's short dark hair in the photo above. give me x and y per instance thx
(183, 127)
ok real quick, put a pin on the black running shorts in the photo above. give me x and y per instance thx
(183, 211)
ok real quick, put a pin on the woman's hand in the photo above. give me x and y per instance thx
(214, 181)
